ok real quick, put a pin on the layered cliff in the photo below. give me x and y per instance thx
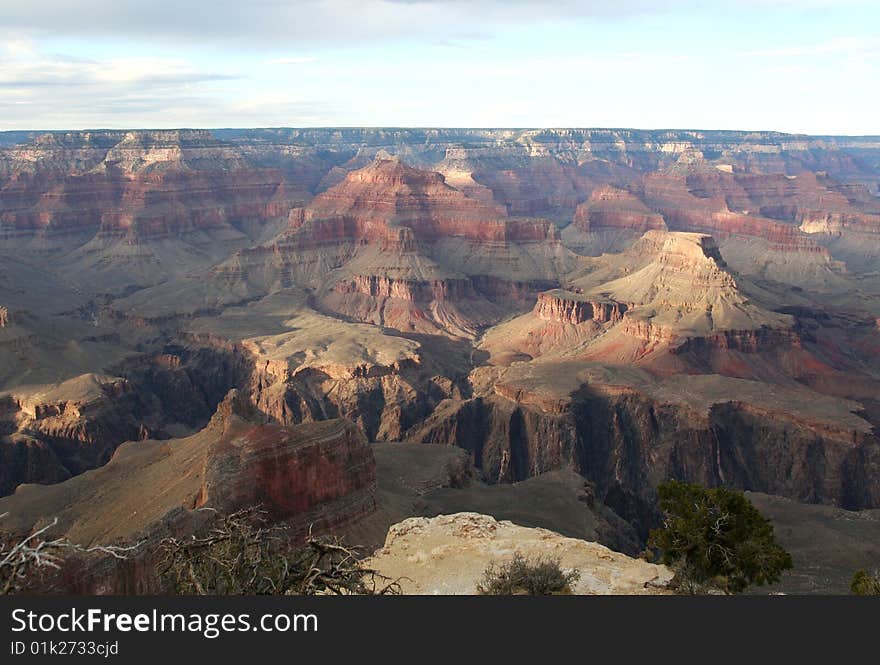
(574, 308)
(610, 207)
(370, 203)
(319, 476)
(683, 288)
(326, 279)
(397, 246)
(627, 432)
(48, 433)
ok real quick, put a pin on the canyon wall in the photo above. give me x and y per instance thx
(627, 444)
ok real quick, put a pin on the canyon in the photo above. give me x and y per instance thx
(195, 318)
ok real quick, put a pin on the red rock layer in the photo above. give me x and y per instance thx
(147, 205)
(683, 211)
(314, 477)
(374, 204)
(613, 208)
(746, 341)
(571, 308)
(412, 290)
(290, 472)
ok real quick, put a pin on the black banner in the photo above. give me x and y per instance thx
(329, 629)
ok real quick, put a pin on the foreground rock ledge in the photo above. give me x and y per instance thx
(448, 554)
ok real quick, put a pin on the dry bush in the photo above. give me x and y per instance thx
(521, 576)
(26, 561)
(242, 554)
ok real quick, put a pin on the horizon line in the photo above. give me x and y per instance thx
(436, 127)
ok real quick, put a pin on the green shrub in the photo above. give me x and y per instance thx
(865, 584)
(521, 576)
(716, 539)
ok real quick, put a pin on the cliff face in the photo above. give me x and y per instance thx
(149, 183)
(318, 475)
(149, 205)
(322, 471)
(67, 429)
(568, 307)
(387, 193)
(609, 207)
(626, 444)
(420, 297)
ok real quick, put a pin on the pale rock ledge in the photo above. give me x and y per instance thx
(448, 554)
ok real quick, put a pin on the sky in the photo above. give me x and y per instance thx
(801, 66)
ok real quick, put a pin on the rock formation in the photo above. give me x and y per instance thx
(448, 555)
(406, 250)
(610, 220)
(682, 289)
(319, 475)
(569, 307)
(52, 432)
(617, 306)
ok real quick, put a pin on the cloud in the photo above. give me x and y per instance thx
(166, 63)
(49, 88)
(291, 61)
(274, 24)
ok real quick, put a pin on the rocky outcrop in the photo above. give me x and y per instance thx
(52, 432)
(318, 476)
(4, 317)
(610, 207)
(370, 200)
(569, 307)
(295, 473)
(627, 443)
(449, 554)
(385, 401)
(745, 341)
(323, 369)
(678, 285)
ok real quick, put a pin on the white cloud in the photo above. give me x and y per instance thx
(46, 89)
(291, 61)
